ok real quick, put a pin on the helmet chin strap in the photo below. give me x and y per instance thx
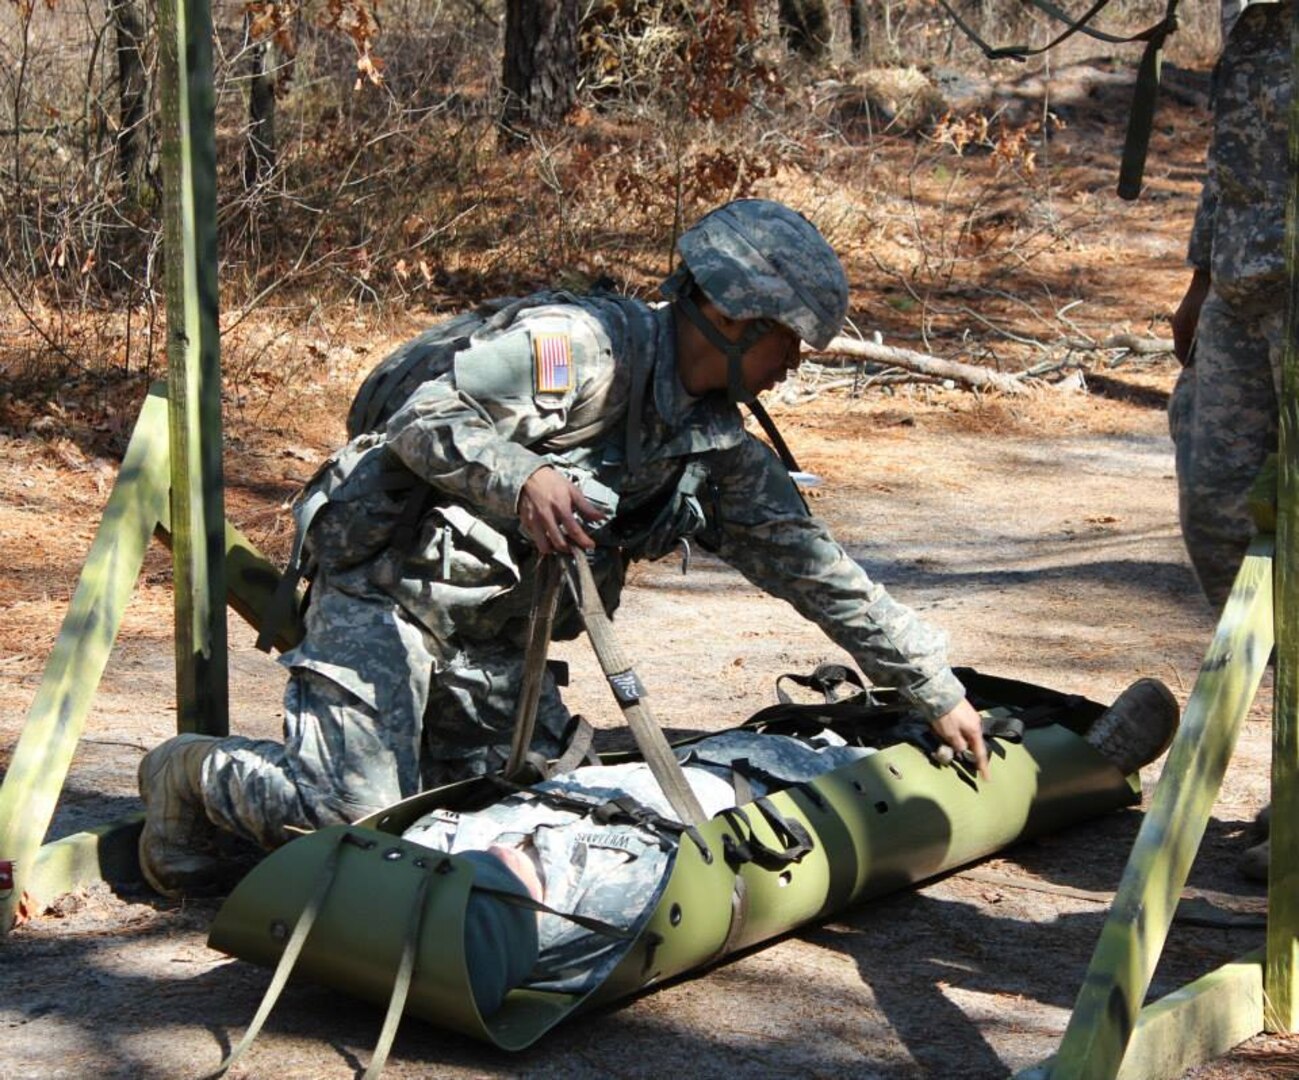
(734, 351)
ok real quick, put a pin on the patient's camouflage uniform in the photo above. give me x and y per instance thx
(1223, 413)
(615, 872)
(410, 668)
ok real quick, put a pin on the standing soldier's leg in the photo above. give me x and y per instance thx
(1223, 418)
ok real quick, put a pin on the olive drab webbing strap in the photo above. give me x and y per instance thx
(402, 978)
(580, 751)
(541, 619)
(630, 694)
(1141, 116)
(289, 957)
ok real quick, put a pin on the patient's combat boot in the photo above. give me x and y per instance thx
(178, 853)
(1138, 727)
(1254, 863)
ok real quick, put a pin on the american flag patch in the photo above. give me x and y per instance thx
(553, 354)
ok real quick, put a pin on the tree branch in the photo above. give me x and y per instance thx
(966, 374)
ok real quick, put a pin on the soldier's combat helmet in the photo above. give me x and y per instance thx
(758, 259)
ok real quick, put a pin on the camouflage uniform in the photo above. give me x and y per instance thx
(1223, 412)
(413, 655)
(410, 668)
(615, 873)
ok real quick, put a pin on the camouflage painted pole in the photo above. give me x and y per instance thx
(1281, 976)
(194, 368)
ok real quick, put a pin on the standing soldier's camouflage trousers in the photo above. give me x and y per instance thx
(1223, 419)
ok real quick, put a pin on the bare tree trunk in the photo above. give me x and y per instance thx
(805, 25)
(132, 94)
(260, 152)
(859, 27)
(540, 71)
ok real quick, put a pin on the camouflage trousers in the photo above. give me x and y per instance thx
(376, 708)
(1223, 420)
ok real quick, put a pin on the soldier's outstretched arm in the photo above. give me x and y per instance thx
(766, 533)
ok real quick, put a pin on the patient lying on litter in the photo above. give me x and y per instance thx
(590, 851)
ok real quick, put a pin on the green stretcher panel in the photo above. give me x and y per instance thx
(883, 823)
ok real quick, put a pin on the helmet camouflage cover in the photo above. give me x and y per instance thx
(758, 259)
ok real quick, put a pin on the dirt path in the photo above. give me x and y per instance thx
(1051, 557)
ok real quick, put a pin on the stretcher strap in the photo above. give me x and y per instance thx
(825, 679)
(622, 810)
(1141, 118)
(541, 619)
(401, 982)
(630, 694)
(579, 751)
(289, 957)
(596, 926)
(746, 847)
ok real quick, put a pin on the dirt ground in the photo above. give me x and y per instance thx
(1039, 531)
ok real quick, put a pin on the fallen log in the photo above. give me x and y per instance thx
(1146, 346)
(966, 374)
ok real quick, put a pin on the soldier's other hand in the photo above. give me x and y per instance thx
(1187, 316)
(551, 510)
(962, 730)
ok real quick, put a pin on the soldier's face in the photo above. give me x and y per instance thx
(770, 359)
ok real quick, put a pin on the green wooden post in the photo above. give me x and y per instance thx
(1281, 975)
(194, 368)
(1134, 933)
(44, 752)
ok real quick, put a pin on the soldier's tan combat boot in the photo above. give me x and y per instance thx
(1138, 727)
(178, 853)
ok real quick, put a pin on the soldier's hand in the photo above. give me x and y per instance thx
(962, 730)
(551, 510)
(1187, 316)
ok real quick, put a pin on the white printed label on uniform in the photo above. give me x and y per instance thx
(552, 355)
(612, 841)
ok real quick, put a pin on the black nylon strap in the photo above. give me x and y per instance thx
(584, 921)
(825, 679)
(773, 433)
(623, 810)
(747, 847)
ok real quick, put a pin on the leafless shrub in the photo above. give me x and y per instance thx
(385, 190)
